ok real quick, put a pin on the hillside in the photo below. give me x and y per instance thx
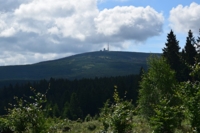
(86, 65)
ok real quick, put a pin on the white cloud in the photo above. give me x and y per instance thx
(53, 28)
(69, 18)
(8, 58)
(7, 32)
(131, 22)
(184, 18)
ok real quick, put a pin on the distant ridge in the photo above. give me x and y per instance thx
(86, 65)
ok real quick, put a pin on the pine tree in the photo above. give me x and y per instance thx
(171, 53)
(189, 54)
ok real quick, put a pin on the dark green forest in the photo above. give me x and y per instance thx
(165, 98)
(90, 94)
(85, 65)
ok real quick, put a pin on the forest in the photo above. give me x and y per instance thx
(163, 99)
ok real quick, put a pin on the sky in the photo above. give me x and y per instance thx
(32, 31)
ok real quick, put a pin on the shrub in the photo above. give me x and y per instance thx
(91, 127)
(117, 117)
(166, 117)
(28, 116)
(4, 126)
(88, 118)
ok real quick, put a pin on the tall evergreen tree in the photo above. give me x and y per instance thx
(74, 107)
(198, 38)
(184, 67)
(56, 112)
(66, 110)
(171, 53)
(198, 46)
(189, 53)
(190, 50)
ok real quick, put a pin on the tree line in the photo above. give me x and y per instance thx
(73, 99)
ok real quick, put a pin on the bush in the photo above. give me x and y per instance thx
(88, 118)
(4, 126)
(166, 117)
(91, 127)
(118, 116)
(28, 116)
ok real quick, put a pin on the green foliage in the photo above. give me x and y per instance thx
(4, 125)
(57, 125)
(28, 116)
(157, 102)
(86, 65)
(167, 117)
(190, 49)
(74, 107)
(141, 125)
(195, 69)
(172, 55)
(91, 127)
(189, 93)
(155, 84)
(117, 117)
(188, 56)
(88, 118)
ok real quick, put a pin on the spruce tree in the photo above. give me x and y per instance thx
(184, 67)
(190, 50)
(74, 107)
(198, 46)
(171, 53)
(189, 54)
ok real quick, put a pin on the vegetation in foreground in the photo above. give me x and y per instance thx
(167, 102)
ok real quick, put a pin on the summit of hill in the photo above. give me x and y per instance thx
(85, 65)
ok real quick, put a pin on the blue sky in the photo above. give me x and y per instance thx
(37, 30)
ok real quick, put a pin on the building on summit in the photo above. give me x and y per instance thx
(106, 50)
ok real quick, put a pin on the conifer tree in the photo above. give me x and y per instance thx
(74, 107)
(171, 53)
(198, 46)
(56, 112)
(198, 38)
(190, 50)
(189, 54)
(66, 110)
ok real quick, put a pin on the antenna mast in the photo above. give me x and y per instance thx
(108, 46)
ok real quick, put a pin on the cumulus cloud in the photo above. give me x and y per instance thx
(53, 28)
(184, 18)
(131, 22)
(9, 58)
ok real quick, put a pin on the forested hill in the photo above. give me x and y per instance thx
(86, 65)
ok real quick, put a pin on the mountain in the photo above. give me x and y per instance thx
(86, 65)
